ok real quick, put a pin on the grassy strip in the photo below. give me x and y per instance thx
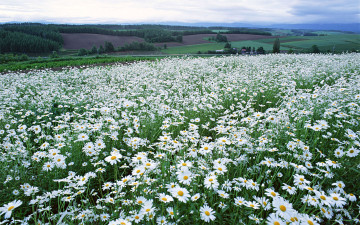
(66, 62)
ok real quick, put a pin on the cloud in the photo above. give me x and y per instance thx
(346, 11)
(137, 11)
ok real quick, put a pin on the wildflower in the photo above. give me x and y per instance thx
(207, 213)
(165, 198)
(113, 158)
(337, 200)
(195, 197)
(48, 166)
(352, 152)
(253, 204)
(211, 182)
(239, 201)
(274, 219)
(271, 193)
(282, 207)
(185, 177)
(181, 194)
(8, 208)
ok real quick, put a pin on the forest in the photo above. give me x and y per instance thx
(45, 38)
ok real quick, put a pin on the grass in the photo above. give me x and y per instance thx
(42, 63)
(342, 42)
(256, 44)
(193, 49)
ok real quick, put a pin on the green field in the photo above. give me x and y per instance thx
(342, 42)
(193, 49)
(256, 44)
(339, 41)
(42, 63)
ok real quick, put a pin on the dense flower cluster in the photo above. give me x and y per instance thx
(268, 139)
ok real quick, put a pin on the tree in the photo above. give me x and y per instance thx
(93, 50)
(82, 52)
(260, 50)
(165, 46)
(220, 38)
(227, 45)
(315, 49)
(109, 47)
(276, 46)
(101, 49)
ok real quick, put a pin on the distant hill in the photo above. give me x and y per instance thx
(350, 27)
(353, 27)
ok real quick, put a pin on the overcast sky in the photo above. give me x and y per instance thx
(190, 11)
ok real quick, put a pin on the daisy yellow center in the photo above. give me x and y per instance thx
(252, 205)
(11, 207)
(183, 164)
(180, 193)
(137, 171)
(302, 179)
(323, 197)
(148, 164)
(123, 223)
(48, 165)
(276, 223)
(164, 199)
(206, 148)
(207, 213)
(211, 179)
(323, 210)
(186, 177)
(113, 157)
(147, 210)
(220, 169)
(310, 222)
(138, 158)
(335, 198)
(171, 213)
(283, 208)
(137, 217)
(265, 203)
(140, 202)
(273, 193)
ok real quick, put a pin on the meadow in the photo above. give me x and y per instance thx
(270, 139)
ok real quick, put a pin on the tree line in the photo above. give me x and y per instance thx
(18, 42)
(109, 47)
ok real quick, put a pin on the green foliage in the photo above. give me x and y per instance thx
(101, 49)
(93, 50)
(109, 47)
(4, 58)
(260, 50)
(315, 49)
(17, 42)
(227, 45)
(220, 38)
(82, 52)
(41, 63)
(276, 46)
(54, 54)
(144, 46)
(44, 31)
